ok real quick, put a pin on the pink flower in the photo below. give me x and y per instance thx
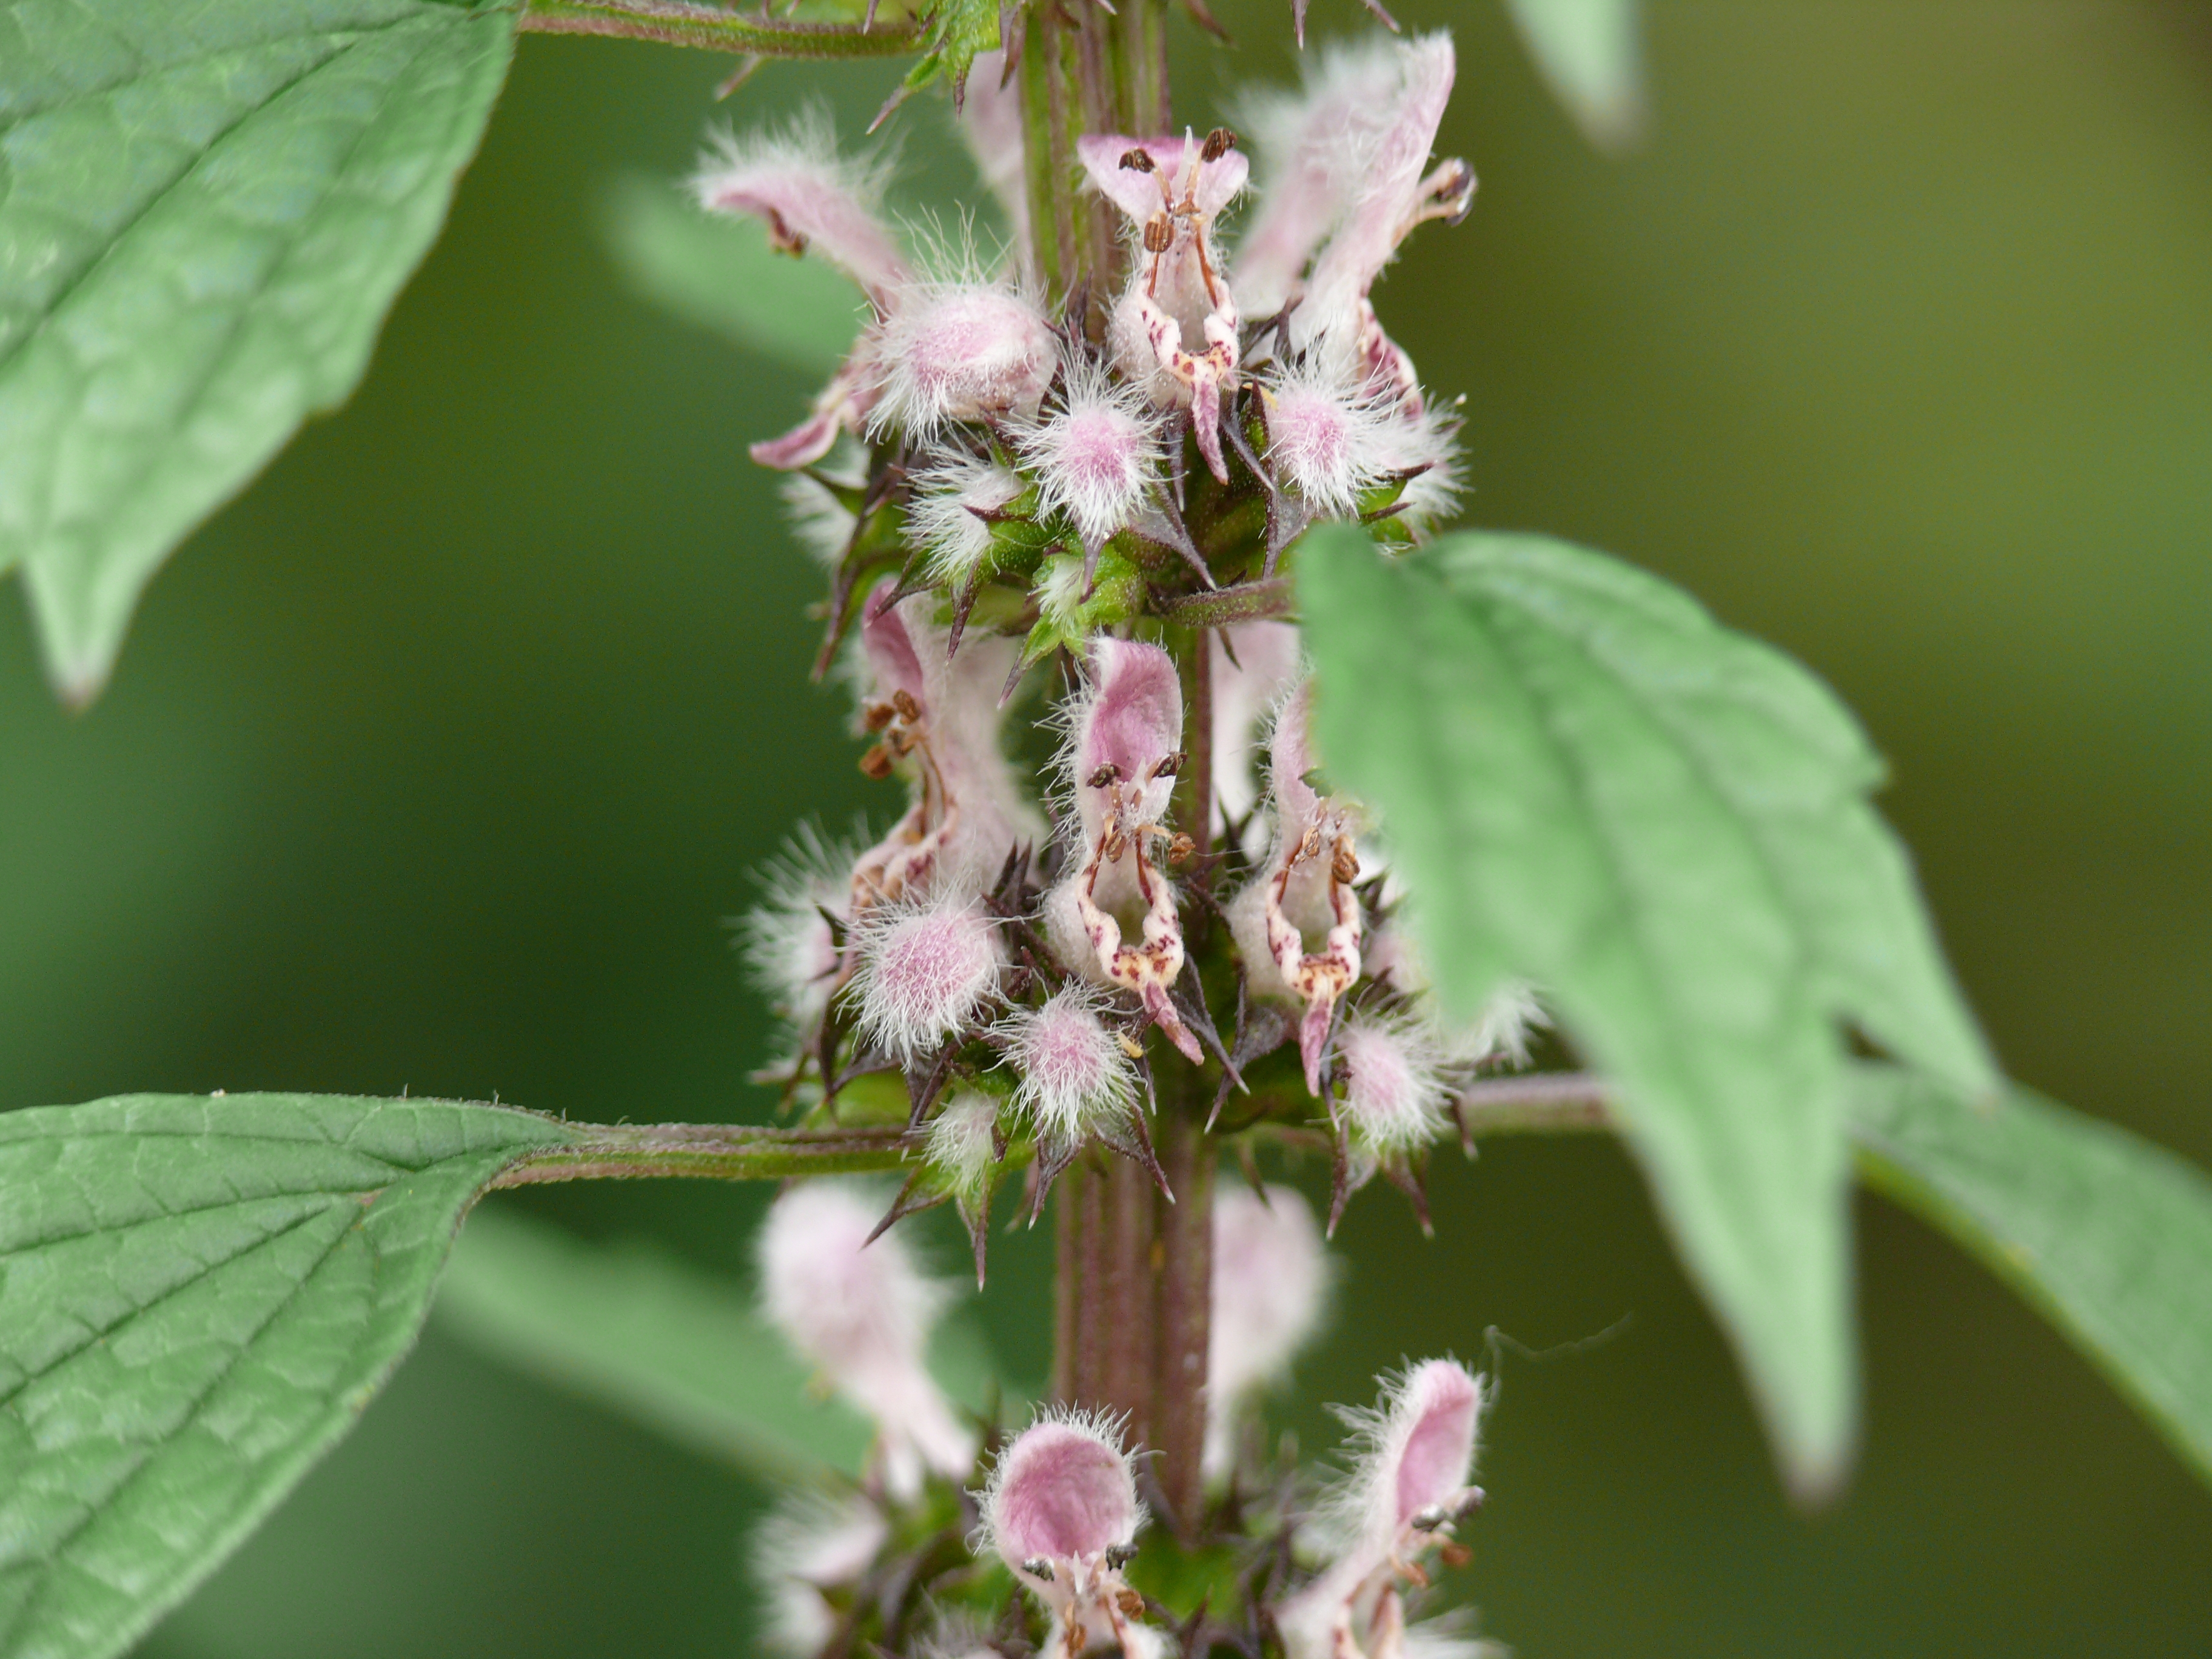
(789, 944)
(924, 971)
(1060, 1509)
(862, 1313)
(1075, 1078)
(1125, 738)
(1254, 664)
(804, 1548)
(955, 352)
(1409, 1485)
(950, 514)
(1327, 438)
(1173, 331)
(1097, 455)
(1271, 1279)
(1394, 192)
(938, 723)
(1302, 888)
(811, 198)
(1394, 1090)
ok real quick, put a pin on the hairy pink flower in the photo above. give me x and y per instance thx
(1060, 1509)
(810, 197)
(1302, 888)
(1409, 1484)
(960, 351)
(1313, 146)
(1075, 1077)
(808, 1546)
(1254, 664)
(789, 944)
(1394, 1090)
(1124, 749)
(1173, 331)
(937, 721)
(1271, 1280)
(1326, 437)
(862, 1313)
(924, 971)
(1096, 456)
(1392, 194)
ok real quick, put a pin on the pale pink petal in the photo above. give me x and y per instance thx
(809, 198)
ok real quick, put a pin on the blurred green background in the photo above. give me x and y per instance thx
(438, 760)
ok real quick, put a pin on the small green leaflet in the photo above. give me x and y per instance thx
(197, 1297)
(667, 1344)
(1590, 54)
(205, 212)
(721, 273)
(1591, 785)
(2108, 1236)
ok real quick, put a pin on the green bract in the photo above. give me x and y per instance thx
(1590, 784)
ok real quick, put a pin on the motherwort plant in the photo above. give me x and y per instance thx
(1069, 484)
(1355, 831)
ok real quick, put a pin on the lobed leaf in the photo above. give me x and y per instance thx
(721, 273)
(205, 212)
(667, 1344)
(2108, 1236)
(198, 1298)
(1591, 785)
(1589, 54)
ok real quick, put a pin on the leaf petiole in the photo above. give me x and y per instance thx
(676, 23)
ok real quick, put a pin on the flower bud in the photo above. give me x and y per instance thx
(1270, 1281)
(1074, 1075)
(862, 1313)
(1096, 456)
(1394, 1093)
(924, 970)
(960, 351)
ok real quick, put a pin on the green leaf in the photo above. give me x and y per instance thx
(2108, 1236)
(197, 1297)
(205, 211)
(667, 1344)
(1591, 785)
(958, 31)
(721, 273)
(1589, 54)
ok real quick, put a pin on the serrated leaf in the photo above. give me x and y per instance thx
(1590, 54)
(205, 212)
(1590, 784)
(197, 1297)
(721, 273)
(2108, 1236)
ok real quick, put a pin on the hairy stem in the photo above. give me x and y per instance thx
(712, 1151)
(676, 23)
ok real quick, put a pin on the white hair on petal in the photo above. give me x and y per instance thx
(1098, 453)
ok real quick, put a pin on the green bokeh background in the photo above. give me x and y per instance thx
(437, 761)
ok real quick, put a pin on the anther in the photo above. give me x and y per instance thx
(1139, 160)
(1037, 1567)
(1105, 777)
(875, 716)
(1158, 232)
(908, 707)
(1218, 143)
(877, 762)
(1430, 1519)
(1345, 866)
(1172, 766)
(1119, 1556)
